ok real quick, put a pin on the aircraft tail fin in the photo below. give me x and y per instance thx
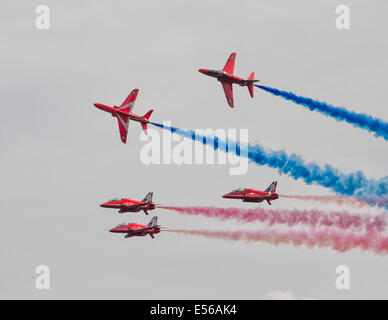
(250, 83)
(272, 187)
(153, 222)
(148, 197)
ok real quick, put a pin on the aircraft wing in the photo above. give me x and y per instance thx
(133, 206)
(123, 126)
(128, 103)
(228, 89)
(229, 66)
(263, 197)
(254, 199)
(140, 230)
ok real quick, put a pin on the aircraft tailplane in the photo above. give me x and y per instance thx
(250, 83)
(147, 117)
(144, 126)
(148, 114)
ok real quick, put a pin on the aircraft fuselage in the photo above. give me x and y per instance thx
(134, 230)
(252, 195)
(114, 111)
(224, 76)
(129, 206)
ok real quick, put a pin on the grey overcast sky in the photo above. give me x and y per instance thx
(61, 157)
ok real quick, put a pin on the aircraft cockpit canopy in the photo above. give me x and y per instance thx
(121, 225)
(217, 73)
(116, 199)
(239, 190)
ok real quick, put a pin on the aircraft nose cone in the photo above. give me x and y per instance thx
(226, 195)
(204, 71)
(106, 205)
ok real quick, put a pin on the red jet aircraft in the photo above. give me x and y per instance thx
(124, 114)
(251, 195)
(226, 77)
(128, 205)
(138, 230)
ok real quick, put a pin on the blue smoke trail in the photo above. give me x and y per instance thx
(374, 192)
(374, 125)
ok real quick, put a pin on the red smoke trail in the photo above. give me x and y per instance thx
(354, 203)
(311, 218)
(337, 240)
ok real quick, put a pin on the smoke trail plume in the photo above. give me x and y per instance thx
(374, 125)
(353, 184)
(347, 201)
(373, 200)
(311, 218)
(338, 240)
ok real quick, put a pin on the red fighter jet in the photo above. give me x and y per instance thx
(128, 205)
(251, 195)
(124, 114)
(226, 77)
(138, 230)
